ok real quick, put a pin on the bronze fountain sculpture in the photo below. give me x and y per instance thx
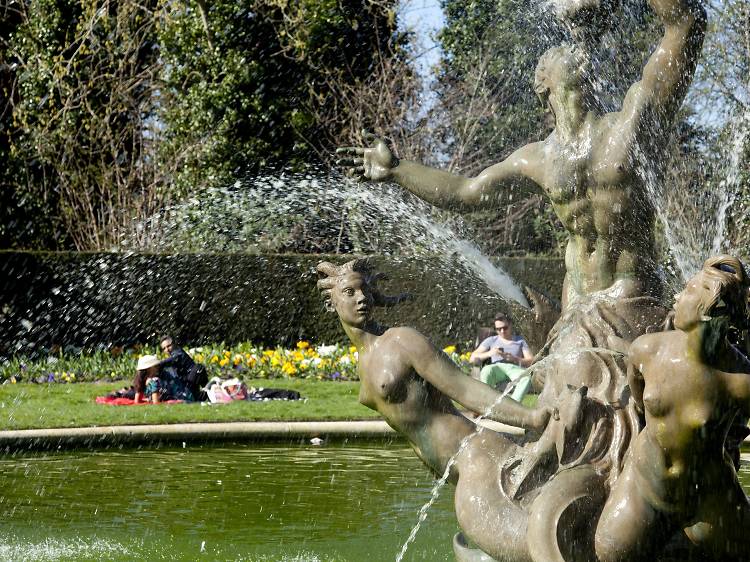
(536, 499)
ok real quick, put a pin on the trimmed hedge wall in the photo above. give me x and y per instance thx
(88, 299)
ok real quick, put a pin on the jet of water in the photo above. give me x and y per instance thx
(306, 212)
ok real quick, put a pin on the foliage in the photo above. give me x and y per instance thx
(82, 108)
(245, 360)
(721, 95)
(243, 80)
(111, 109)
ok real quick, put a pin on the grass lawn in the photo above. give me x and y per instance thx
(32, 406)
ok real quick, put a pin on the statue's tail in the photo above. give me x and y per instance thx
(464, 553)
(563, 517)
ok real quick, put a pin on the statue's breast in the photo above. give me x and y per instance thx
(656, 405)
(384, 377)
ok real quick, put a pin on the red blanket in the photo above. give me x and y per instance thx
(128, 402)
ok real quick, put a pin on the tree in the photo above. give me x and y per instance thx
(722, 97)
(114, 108)
(245, 83)
(83, 100)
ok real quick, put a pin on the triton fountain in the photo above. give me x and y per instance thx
(595, 447)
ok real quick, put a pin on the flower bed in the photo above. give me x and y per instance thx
(324, 362)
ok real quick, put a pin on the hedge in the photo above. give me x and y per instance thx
(105, 299)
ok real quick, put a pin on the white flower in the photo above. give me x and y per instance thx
(326, 350)
(345, 360)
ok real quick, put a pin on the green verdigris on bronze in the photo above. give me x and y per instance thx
(692, 385)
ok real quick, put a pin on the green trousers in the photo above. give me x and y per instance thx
(500, 372)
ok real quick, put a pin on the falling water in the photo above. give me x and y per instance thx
(446, 473)
(731, 183)
(273, 213)
(570, 355)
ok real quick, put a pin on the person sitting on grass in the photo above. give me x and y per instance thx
(411, 383)
(509, 355)
(154, 384)
(193, 375)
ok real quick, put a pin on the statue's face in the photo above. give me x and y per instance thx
(558, 73)
(353, 300)
(689, 306)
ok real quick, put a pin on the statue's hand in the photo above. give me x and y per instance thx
(373, 163)
(540, 417)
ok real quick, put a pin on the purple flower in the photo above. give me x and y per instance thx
(335, 376)
(50, 377)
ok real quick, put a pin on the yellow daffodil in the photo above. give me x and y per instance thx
(450, 349)
(303, 345)
(224, 362)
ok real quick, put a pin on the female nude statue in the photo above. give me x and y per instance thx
(411, 383)
(691, 383)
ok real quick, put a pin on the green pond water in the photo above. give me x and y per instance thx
(227, 502)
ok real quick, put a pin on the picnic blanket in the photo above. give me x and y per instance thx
(120, 401)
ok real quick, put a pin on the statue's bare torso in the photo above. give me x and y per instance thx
(600, 199)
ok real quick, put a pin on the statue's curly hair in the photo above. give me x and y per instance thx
(730, 298)
(329, 273)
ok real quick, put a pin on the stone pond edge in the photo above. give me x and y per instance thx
(154, 435)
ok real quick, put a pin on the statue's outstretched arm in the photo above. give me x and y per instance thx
(517, 174)
(435, 367)
(669, 70)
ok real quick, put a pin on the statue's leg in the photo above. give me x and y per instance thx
(630, 529)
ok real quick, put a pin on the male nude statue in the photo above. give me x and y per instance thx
(589, 166)
(593, 168)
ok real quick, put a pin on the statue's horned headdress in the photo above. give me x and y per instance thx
(329, 273)
(732, 297)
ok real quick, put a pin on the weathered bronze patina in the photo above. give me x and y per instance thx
(410, 383)
(552, 486)
(692, 386)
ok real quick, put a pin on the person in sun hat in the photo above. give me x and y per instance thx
(146, 369)
(155, 384)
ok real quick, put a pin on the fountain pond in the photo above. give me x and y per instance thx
(222, 502)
